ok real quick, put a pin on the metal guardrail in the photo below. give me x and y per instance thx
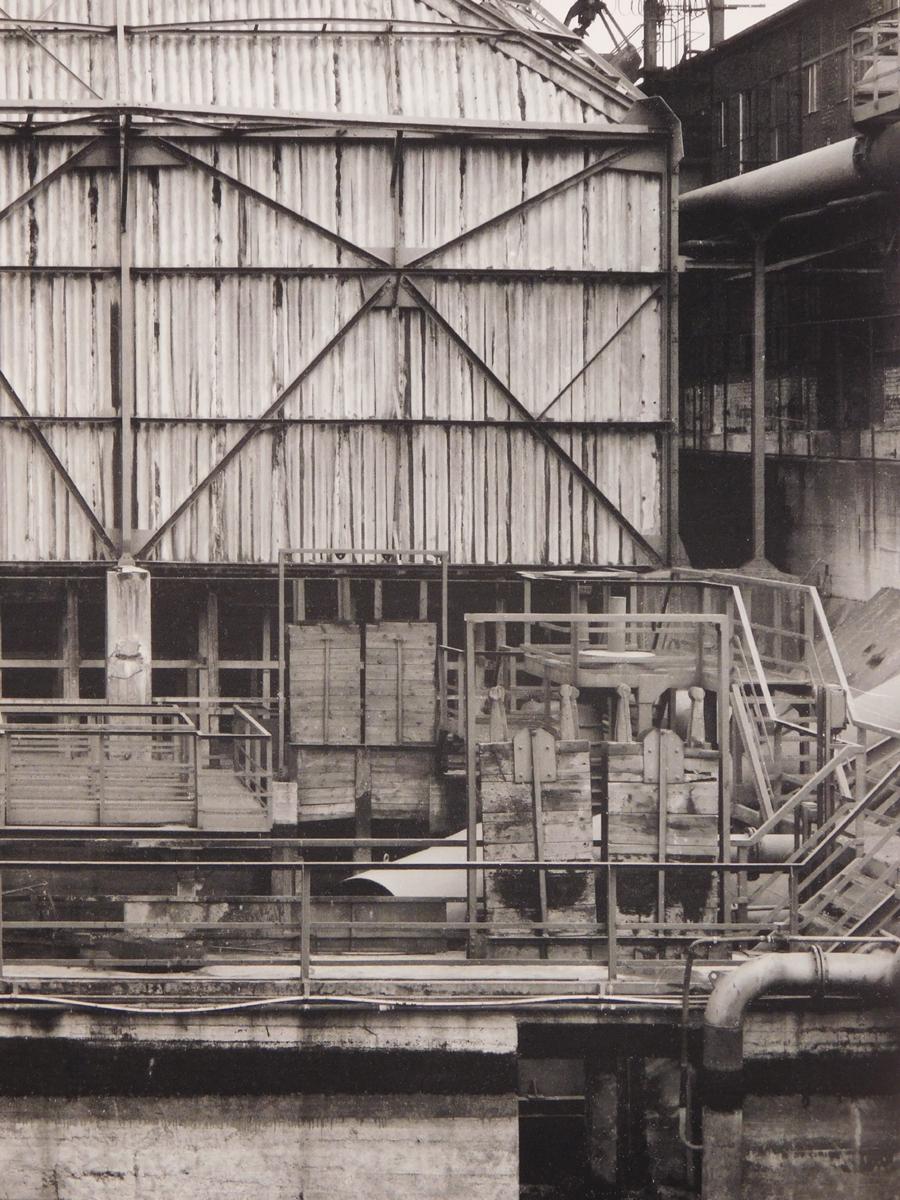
(86, 764)
(875, 67)
(291, 922)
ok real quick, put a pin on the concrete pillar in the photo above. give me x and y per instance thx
(601, 1110)
(128, 648)
(723, 1153)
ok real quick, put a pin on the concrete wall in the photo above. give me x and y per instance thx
(835, 523)
(811, 1147)
(843, 516)
(280, 1147)
(276, 1104)
(822, 1109)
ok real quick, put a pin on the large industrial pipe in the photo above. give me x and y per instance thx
(723, 1039)
(849, 168)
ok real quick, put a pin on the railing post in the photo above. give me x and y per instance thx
(442, 689)
(809, 635)
(860, 783)
(471, 686)
(101, 777)
(305, 931)
(194, 768)
(4, 775)
(611, 914)
(793, 900)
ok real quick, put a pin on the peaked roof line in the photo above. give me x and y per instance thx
(566, 49)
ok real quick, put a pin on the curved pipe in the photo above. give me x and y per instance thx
(723, 1042)
(849, 168)
(735, 990)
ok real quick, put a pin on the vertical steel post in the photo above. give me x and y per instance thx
(471, 797)
(305, 928)
(671, 381)
(126, 346)
(724, 630)
(282, 754)
(611, 908)
(445, 587)
(758, 399)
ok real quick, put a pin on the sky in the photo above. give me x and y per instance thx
(742, 17)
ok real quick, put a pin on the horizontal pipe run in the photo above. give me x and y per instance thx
(853, 167)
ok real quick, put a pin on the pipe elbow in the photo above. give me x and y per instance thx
(877, 973)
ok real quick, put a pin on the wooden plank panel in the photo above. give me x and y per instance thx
(400, 783)
(567, 829)
(326, 782)
(401, 685)
(325, 700)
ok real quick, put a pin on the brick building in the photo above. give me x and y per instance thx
(777, 90)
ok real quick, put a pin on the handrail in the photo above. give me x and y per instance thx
(747, 629)
(843, 821)
(95, 730)
(291, 916)
(781, 814)
(93, 706)
(251, 720)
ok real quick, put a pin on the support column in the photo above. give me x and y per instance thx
(758, 399)
(68, 645)
(126, 349)
(128, 645)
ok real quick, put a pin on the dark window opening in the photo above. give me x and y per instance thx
(320, 600)
(400, 600)
(174, 620)
(174, 682)
(92, 626)
(30, 683)
(31, 629)
(92, 683)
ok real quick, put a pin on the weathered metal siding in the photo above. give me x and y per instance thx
(404, 433)
(294, 57)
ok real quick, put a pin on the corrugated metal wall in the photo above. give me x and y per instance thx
(398, 436)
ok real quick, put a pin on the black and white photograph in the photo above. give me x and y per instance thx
(449, 600)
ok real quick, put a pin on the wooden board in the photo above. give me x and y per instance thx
(507, 809)
(326, 784)
(400, 782)
(324, 683)
(401, 683)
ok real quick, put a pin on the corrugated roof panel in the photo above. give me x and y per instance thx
(28, 71)
(226, 346)
(39, 518)
(444, 75)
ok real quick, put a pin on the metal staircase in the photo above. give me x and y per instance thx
(791, 776)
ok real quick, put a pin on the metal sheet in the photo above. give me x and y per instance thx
(493, 495)
(433, 884)
(441, 75)
(225, 318)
